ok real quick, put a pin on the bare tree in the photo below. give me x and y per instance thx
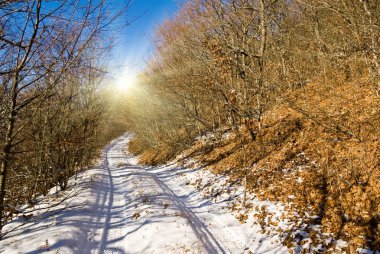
(39, 43)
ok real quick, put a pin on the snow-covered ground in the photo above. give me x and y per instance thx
(122, 207)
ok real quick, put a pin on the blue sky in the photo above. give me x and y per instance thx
(134, 44)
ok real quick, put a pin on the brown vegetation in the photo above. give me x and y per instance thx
(295, 84)
(330, 176)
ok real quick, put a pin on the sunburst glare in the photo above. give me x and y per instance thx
(126, 81)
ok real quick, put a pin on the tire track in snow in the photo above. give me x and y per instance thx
(103, 205)
(224, 234)
(106, 227)
(209, 241)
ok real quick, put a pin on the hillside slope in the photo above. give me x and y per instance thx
(318, 152)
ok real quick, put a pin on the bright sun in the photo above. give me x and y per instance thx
(126, 80)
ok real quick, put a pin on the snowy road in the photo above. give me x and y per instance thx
(143, 215)
(122, 207)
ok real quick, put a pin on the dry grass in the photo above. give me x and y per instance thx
(320, 145)
(326, 154)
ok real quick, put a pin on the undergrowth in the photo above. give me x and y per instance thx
(318, 152)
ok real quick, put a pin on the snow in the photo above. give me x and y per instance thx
(122, 207)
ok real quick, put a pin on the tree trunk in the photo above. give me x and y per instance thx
(375, 65)
(7, 150)
(262, 52)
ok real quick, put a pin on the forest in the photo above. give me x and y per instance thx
(280, 96)
(52, 114)
(289, 92)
